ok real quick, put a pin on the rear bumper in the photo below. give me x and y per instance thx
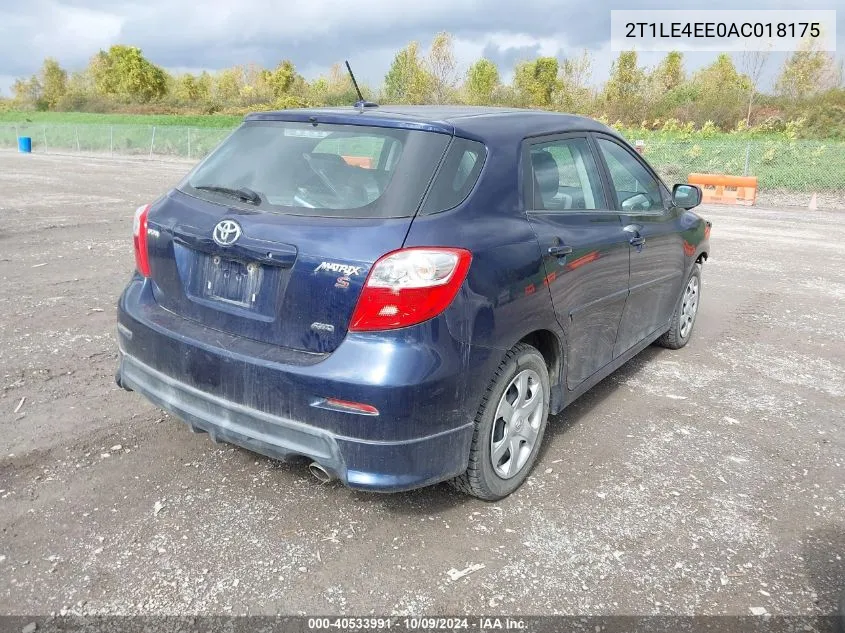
(377, 466)
(419, 382)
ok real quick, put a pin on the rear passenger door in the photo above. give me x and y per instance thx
(585, 250)
(657, 252)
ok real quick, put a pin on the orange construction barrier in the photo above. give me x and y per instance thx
(720, 189)
(359, 161)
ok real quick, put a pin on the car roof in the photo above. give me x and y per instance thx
(482, 123)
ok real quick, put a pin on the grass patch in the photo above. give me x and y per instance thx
(88, 118)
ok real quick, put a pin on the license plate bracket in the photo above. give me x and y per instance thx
(232, 281)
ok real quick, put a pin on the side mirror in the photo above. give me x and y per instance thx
(686, 196)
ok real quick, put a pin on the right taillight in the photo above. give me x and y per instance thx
(139, 237)
(410, 286)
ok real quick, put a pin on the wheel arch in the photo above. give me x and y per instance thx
(551, 347)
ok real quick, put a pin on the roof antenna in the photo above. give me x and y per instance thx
(361, 103)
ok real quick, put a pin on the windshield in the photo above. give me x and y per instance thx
(320, 170)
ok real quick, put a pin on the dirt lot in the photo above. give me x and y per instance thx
(708, 480)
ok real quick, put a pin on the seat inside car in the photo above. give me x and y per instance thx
(546, 178)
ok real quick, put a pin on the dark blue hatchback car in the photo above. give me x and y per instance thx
(402, 295)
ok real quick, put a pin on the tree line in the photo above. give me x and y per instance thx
(724, 95)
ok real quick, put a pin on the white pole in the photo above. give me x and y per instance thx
(153, 141)
(747, 152)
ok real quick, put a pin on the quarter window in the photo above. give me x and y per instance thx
(456, 177)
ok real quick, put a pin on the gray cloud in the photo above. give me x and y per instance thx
(316, 34)
(508, 57)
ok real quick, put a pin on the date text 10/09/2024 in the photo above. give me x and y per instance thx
(418, 624)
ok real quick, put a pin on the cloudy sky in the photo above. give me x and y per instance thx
(190, 35)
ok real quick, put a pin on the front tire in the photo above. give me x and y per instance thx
(683, 319)
(509, 426)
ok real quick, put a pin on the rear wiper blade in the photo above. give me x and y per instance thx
(244, 193)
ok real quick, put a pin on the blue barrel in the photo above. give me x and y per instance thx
(25, 144)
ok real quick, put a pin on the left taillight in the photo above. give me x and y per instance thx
(409, 286)
(139, 237)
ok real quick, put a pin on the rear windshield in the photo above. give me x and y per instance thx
(320, 170)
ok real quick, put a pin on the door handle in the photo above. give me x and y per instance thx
(636, 239)
(560, 250)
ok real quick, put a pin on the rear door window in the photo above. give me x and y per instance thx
(565, 176)
(323, 170)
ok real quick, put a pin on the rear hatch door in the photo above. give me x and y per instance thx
(272, 236)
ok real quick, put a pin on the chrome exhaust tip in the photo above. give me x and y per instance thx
(320, 473)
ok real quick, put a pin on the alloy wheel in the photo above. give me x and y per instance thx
(516, 424)
(689, 307)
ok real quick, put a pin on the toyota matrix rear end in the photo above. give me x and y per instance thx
(275, 307)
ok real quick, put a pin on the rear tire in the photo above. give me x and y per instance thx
(686, 310)
(509, 426)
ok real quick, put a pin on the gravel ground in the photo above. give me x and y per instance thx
(710, 480)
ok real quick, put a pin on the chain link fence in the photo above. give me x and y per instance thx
(789, 172)
(155, 142)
